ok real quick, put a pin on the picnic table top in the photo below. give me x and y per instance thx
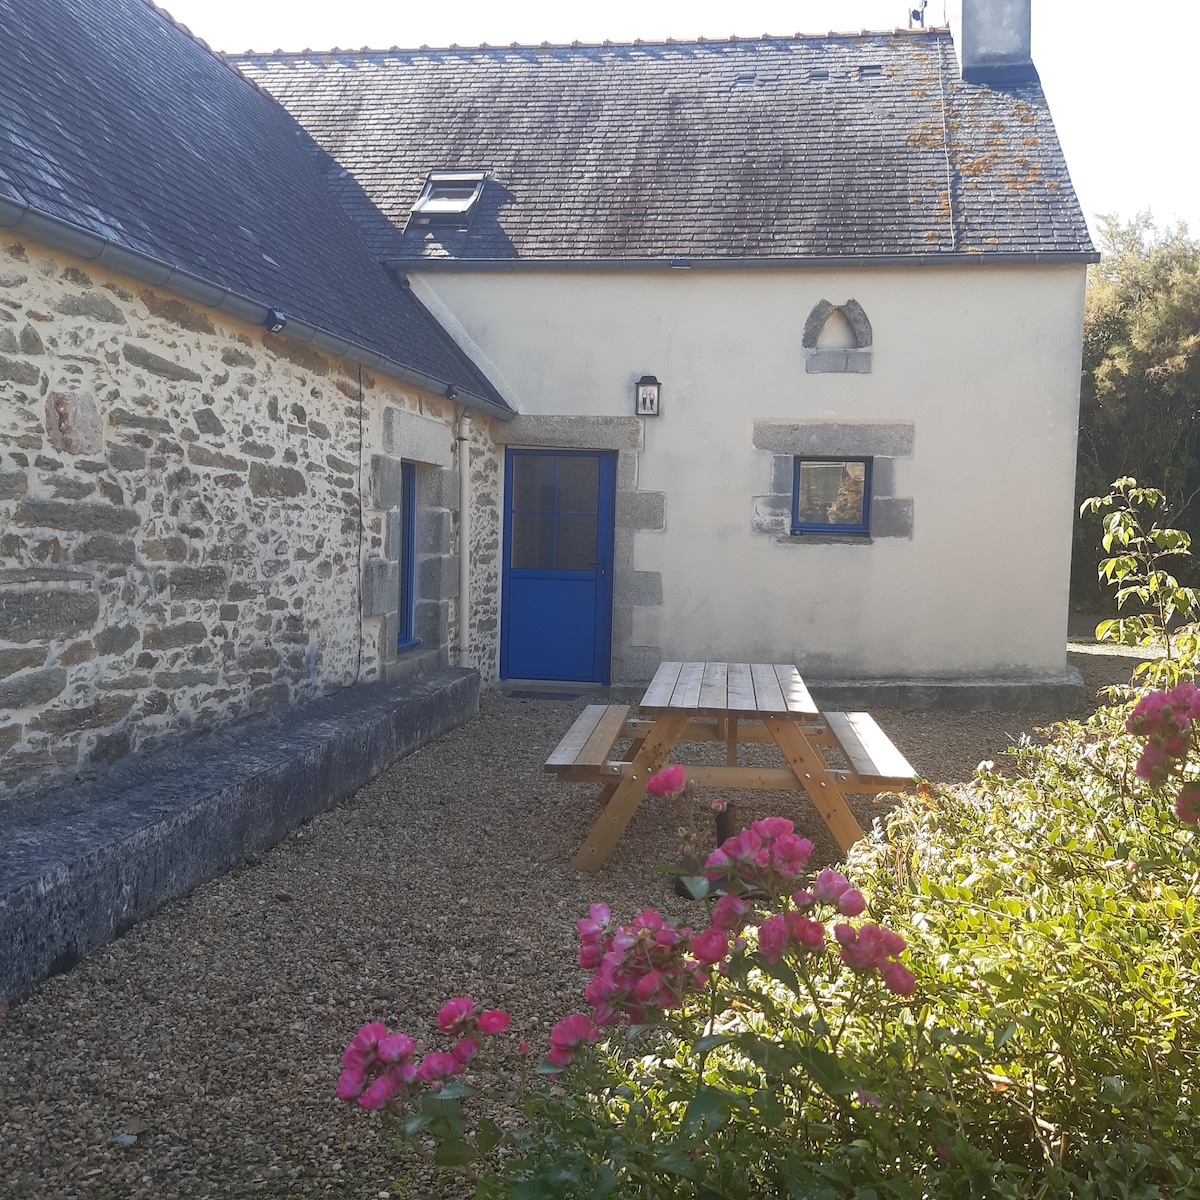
(751, 690)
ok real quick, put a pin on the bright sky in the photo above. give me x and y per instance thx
(1120, 75)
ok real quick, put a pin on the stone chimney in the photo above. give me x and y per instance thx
(992, 39)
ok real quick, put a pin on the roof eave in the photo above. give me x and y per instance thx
(944, 259)
(60, 234)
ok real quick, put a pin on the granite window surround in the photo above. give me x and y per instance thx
(854, 360)
(423, 449)
(881, 441)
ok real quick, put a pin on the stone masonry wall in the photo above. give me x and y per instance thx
(487, 525)
(187, 511)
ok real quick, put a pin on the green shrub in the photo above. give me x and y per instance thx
(1162, 614)
(1049, 1050)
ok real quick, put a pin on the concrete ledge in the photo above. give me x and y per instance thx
(79, 865)
(1061, 695)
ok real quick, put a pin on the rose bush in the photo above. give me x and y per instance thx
(1004, 1006)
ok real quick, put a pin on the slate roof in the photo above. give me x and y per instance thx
(775, 149)
(115, 120)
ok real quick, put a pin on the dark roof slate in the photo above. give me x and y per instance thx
(114, 119)
(780, 148)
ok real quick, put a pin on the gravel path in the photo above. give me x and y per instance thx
(195, 1057)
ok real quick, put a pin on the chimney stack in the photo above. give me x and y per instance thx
(992, 39)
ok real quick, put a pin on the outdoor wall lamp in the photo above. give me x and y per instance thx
(275, 321)
(645, 396)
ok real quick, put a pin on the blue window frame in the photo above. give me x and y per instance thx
(832, 495)
(408, 556)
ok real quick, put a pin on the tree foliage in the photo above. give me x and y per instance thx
(1140, 394)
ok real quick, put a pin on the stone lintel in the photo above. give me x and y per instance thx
(851, 438)
(410, 436)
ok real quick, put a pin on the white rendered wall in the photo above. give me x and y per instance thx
(984, 361)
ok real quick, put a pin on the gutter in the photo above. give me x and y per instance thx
(1040, 258)
(75, 240)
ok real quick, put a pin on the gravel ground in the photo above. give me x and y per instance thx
(195, 1057)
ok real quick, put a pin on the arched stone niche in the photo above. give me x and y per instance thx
(840, 323)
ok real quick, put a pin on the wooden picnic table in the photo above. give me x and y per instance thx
(733, 703)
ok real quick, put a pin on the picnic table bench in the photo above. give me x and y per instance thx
(733, 703)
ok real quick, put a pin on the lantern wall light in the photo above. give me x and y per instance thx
(645, 396)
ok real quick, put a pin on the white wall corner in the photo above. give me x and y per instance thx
(449, 321)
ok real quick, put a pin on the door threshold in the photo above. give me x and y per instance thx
(552, 689)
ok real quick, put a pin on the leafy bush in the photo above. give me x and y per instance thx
(1042, 1046)
(1049, 1049)
(1138, 572)
(1055, 936)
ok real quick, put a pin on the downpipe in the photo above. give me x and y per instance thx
(464, 540)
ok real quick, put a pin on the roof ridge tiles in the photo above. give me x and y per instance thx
(607, 44)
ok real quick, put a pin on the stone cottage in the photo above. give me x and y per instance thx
(762, 350)
(793, 329)
(228, 440)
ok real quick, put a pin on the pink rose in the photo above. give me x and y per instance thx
(729, 913)
(851, 902)
(1149, 713)
(522, 1048)
(649, 919)
(368, 1036)
(453, 1013)
(559, 1056)
(572, 1031)
(350, 1083)
(352, 1056)
(898, 978)
(710, 946)
(809, 933)
(667, 782)
(1187, 804)
(591, 954)
(773, 827)
(436, 1065)
(465, 1051)
(742, 847)
(803, 899)
(1176, 746)
(377, 1093)
(790, 853)
(1151, 765)
(404, 1073)
(648, 987)
(772, 938)
(495, 1020)
(829, 887)
(396, 1048)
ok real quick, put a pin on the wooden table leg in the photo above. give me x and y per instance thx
(618, 812)
(607, 792)
(811, 772)
(727, 820)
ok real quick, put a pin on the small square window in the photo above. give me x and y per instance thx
(448, 198)
(831, 495)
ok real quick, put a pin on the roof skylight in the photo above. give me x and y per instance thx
(448, 198)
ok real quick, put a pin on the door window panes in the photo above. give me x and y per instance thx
(533, 541)
(533, 482)
(578, 485)
(555, 512)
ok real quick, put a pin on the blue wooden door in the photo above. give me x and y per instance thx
(556, 615)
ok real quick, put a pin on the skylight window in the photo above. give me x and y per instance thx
(448, 198)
